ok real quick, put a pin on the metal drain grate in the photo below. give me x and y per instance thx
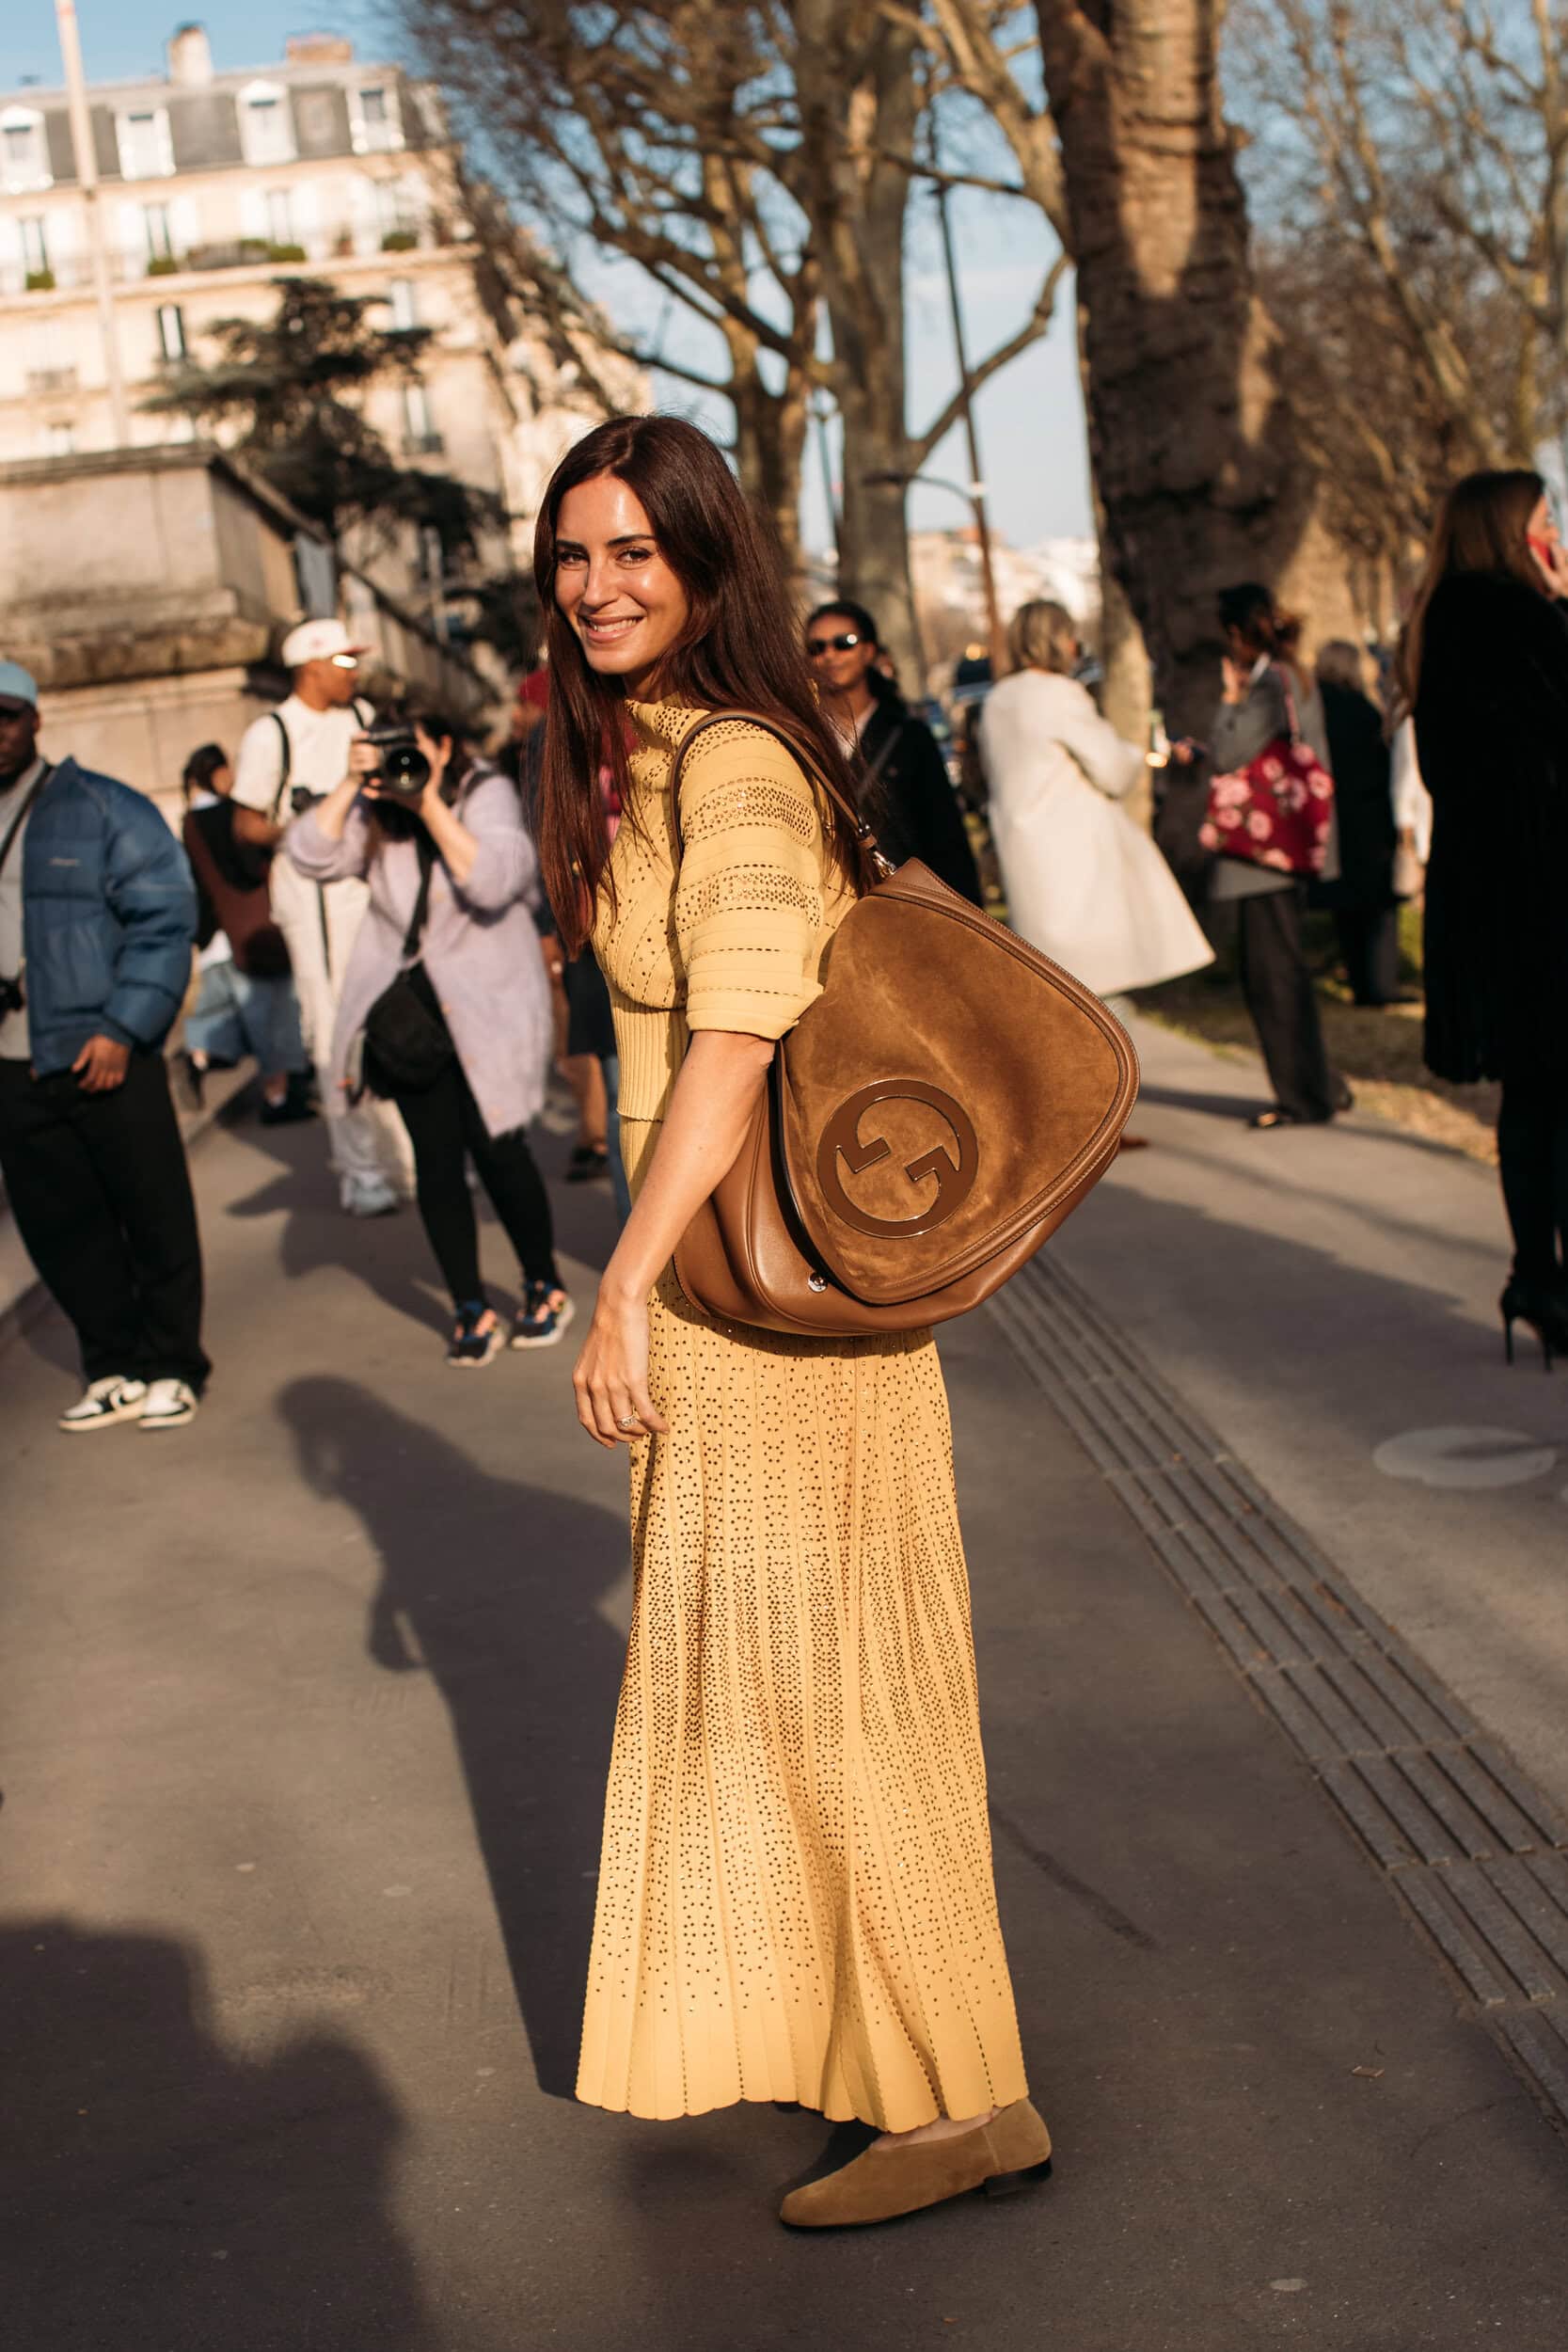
(1479, 1855)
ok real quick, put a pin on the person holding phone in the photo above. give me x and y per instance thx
(1484, 669)
(445, 1007)
(97, 918)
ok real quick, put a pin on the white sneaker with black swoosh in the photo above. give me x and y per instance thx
(170, 1404)
(105, 1402)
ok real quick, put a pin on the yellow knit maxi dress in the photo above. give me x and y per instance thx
(795, 1896)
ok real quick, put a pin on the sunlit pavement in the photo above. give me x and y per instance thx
(306, 1713)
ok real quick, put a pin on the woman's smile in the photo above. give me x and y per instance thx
(604, 548)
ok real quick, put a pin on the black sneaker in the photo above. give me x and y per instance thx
(543, 1317)
(470, 1348)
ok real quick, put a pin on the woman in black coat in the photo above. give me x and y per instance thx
(1485, 667)
(902, 776)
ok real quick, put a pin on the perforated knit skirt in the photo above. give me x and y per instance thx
(795, 1898)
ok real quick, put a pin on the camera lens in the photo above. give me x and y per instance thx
(404, 768)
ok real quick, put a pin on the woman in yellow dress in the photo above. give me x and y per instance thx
(796, 1899)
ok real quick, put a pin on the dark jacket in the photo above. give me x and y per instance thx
(1492, 735)
(108, 913)
(1362, 802)
(910, 801)
(215, 826)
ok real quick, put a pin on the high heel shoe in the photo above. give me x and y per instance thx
(1544, 1308)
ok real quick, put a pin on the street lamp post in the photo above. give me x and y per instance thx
(974, 498)
(966, 381)
(87, 180)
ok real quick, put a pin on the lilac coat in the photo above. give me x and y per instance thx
(481, 948)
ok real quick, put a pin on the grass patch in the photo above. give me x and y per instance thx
(1378, 1048)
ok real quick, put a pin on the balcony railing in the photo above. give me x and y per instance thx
(72, 273)
(47, 383)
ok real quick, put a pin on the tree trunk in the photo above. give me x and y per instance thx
(858, 106)
(1194, 451)
(1127, 680)
(769, 443)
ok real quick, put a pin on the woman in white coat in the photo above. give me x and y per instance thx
(1084, 884)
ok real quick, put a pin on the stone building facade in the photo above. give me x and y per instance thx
(215, 186)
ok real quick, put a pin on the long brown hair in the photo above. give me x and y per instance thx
(1483, 526)
(740, 649)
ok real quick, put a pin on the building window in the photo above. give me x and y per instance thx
(59, 440)
(23, 149)
(267, 132)
(160, 239)
(403, 301)
(280, 217)
(375, 124)
(395, 216)
(419, 426)
(144, 149)
(34, 245)
(171, 331)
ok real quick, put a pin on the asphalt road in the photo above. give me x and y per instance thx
(305, 1717)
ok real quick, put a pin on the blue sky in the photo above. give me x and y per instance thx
(1030, 417)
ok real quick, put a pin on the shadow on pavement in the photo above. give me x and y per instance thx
(391, 1254)
(491, 1587)
(163, 2191)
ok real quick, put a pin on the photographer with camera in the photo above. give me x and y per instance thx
(97, 916)
(445, 1005)
(289, 757)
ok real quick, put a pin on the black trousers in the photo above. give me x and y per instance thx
(445, 1124)
(1532, 1153)
(101, 1196)
(1370, 942)
(1283, 1003)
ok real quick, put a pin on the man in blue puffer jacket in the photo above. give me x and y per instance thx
(97, 915)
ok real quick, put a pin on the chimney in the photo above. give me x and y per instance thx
(318, 49)
(190, 57)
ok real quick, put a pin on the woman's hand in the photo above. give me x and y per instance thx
(1551, 560)
(440, 757)
(611, 1375)
(720, 1085)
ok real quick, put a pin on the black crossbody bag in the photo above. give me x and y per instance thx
(407, 1044)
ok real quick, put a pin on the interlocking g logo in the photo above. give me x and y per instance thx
(841, 1139)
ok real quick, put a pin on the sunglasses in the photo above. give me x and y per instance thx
(818, 646)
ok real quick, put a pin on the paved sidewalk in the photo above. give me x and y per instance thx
(1327, 1298)
(307, 1713)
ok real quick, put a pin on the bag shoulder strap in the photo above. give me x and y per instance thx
(796, 747)
(425, 851)
(285, 761)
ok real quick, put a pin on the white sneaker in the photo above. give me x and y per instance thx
(105, 1402)
(170, 1404)
(367, 1196)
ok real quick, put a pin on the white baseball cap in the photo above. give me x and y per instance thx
(317, 641)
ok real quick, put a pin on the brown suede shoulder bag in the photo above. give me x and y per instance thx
(948, 1099)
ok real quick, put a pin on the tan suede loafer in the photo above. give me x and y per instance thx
(1006, 2154)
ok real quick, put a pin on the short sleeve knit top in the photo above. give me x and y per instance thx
(728, 931)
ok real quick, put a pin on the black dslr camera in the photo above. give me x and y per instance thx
(12, 997)
(402, 771)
